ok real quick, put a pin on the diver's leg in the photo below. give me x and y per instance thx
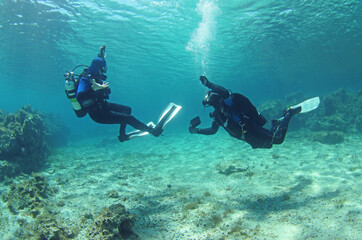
(137, 124)
(259, 137)
(280, 131)
(104, 116)
(122, 133)
(115, 107)
(110, 117)
(280, 127)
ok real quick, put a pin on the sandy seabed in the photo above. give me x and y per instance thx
(175, 187)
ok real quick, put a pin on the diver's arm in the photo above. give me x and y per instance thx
(206, 131)
(224, 93)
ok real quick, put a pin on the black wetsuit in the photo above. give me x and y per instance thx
(241, 120)
(102, 111)
(113, 113)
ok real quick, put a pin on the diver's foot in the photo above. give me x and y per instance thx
(123, 138)
(292, 111)
(156, 131)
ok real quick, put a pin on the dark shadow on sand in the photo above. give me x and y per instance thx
(295, 198)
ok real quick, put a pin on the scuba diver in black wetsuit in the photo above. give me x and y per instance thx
(92, 93)
(239, 117)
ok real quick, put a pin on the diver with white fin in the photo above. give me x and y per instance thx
(89, 92)
(239, 117)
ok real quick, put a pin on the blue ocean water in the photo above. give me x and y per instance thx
(183, 186)
(156, 51)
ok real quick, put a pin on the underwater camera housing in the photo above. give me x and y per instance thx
(195, 122)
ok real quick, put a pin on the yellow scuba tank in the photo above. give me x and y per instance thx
(71, 90)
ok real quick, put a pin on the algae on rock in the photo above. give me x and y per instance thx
(114, 222)
(25, 140)
(30, 198)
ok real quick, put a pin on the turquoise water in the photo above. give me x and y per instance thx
(156, 50)
(183, 186)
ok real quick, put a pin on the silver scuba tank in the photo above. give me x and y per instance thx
(71, 90)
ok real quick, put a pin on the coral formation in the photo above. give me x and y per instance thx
(21, 133)
(337, 112)
(25, 140)
(27, 195)
(30, 197)
(114, 222)
(47, 227)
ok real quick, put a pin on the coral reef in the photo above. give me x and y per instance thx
(28, 195)
(21, 134)
(113, 222)
(30, 198)
(8, 169)
(25, 140)
(338, 111)
(47, 227)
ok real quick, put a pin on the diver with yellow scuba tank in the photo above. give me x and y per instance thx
(88, 93)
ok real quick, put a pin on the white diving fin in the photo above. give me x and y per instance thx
(308, 105)
(166, 116)
(139, 133)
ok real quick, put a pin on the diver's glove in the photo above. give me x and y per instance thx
(204, 81)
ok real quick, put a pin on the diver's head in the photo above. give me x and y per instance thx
(212, 99)
(98, 68)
